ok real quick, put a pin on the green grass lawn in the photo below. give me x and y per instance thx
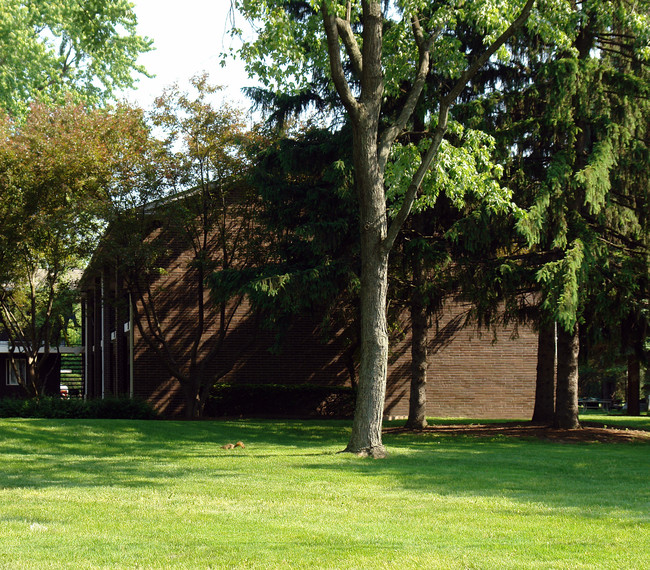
(615, 420)
(138, 494)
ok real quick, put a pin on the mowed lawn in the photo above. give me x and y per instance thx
(160, 494)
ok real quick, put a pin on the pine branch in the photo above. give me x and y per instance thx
(627, 243)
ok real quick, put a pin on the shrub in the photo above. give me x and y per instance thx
(122, 409)
(47, 407)
(280, 400)
(11, 408)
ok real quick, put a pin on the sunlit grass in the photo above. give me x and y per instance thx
(127, 494)
(615, 419)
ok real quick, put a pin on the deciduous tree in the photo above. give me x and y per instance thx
(60, 168)
(203, 211)
(49, 49)
(369, 49)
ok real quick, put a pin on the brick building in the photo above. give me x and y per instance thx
(470, 373)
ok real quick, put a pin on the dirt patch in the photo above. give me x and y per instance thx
(586, 433)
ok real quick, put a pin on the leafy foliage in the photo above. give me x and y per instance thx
(61, 408)
(198, 217)
(62, 168)
(49, 49)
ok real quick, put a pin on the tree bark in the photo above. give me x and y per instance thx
(544, 411)
(33, 380)
(190, 390)
(566, 399)
(366, 437)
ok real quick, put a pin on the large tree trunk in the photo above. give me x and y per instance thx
(566, 400)
(367, 426)
(544, 412)
(366, 437)
(417, 418)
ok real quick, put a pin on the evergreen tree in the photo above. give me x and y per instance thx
(565, 116)
(306, 210)
(580, 131)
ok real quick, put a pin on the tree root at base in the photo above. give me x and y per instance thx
(376, 452)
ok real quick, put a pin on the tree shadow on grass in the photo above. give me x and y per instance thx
(132, 453)
(594, 479)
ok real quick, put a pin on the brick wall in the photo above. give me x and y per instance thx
(478, 374)
(471, 373)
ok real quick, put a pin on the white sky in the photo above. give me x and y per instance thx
(188, 37)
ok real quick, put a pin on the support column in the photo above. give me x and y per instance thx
(95, 387)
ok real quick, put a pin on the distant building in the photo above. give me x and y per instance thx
(9, 385)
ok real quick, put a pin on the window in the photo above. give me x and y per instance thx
(21, 365)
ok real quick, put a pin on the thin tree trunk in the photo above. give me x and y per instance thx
(417, 418)
(633, 384)
(544, 412)
(566, 400)
(33, 379)
(192, 405)
(633, 336)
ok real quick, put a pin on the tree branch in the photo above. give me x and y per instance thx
(424, 47)
(351, 46)
(443, 116)
(10, 323)
(481, 60)
(372, 79)
(418, 177)
(336, 67)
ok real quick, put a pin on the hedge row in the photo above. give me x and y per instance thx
(247, 400)
(280, 400)
(47, 407)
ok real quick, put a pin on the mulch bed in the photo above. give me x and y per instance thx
(587, 433)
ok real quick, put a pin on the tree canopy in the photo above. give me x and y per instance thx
(49, 49)
(398, 69)
(60, 169)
